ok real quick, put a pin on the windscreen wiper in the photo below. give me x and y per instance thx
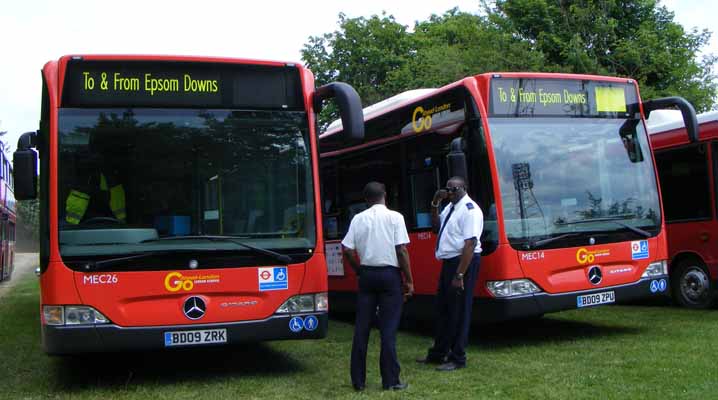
(543, 242)
(612, 220)
(102, 264)
(283, 258)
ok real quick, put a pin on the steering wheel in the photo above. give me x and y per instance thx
(99, 220)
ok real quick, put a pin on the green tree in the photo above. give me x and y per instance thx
(363, 52)
(631, 38)
(380, 57)
(457, 44)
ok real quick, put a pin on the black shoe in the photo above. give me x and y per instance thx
(358, 388)
(450, 366)
(398, 386)
(429, 360)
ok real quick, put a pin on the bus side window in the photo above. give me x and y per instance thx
(715, 175)
(375, 164)
(683, 175)
(426, 165)
(330, 200)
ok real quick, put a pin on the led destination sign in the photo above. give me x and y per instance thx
(180, 84)
(561, 97)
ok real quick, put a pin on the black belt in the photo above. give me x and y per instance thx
(376, 266)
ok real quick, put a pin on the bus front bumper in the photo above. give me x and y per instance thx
(59, 340)
(498, 309)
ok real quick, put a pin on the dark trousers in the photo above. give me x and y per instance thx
(378, 287)
(454, 312)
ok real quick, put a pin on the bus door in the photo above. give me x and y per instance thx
(4, 248)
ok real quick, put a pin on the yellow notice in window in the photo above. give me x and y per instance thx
(610, 99)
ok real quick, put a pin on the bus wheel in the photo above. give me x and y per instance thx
(691, 285)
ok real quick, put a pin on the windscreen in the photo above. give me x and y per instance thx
(566, 175)
(131, 177)
(578, 164)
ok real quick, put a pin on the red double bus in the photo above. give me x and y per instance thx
(7, 219)
(689, 176)
(179, 201)
(560, 165)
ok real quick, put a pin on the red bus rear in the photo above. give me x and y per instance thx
(178, 202)
(688, 175)
(7, 219)
(560, 165)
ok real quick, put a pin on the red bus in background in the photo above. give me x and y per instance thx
(7, 219)
(689, 177)
(179, 201)
(560, 165)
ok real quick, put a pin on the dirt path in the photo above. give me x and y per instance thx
(25, 263)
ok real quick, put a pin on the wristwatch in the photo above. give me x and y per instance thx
(459, 276)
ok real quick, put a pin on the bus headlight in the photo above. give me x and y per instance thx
(297, 304)
(657, 268)
(72, 315)
(305, 303)
(80, 315)
(512, 287)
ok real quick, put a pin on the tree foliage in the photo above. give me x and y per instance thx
(630, 38)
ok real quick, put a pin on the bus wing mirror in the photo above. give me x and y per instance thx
(689, 113)
(24, 161)
(350, 108)
(456, 159)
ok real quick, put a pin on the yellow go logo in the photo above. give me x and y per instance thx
(584, 256)
(424, 124)
(174, 282)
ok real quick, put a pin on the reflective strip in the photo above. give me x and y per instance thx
(75, 206)
(103, 182)
(117, 202)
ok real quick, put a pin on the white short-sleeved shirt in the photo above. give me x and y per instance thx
(466, 222)
(374, 233)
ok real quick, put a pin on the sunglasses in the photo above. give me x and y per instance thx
(452, 189)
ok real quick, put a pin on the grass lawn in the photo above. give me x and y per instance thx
(620, 352)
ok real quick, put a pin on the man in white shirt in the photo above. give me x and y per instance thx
(458, 247)
(375, 248)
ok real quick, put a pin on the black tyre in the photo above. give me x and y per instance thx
(691, 285)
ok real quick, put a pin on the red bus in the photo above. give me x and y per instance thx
(689, 176)
(7, 219)
(178, 201)
(560, 165)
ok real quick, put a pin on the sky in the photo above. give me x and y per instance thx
(33, 32)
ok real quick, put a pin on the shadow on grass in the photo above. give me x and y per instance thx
(198, 365)
(537, 331)
(660, 301)
(524, 332)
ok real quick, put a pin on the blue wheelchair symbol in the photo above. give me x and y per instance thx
(311, 323)
(296, 324)
(280, 274)
(644, 246)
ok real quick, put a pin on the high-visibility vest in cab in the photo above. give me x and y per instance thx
(78, 201)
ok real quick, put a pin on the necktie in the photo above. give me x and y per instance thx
(451, 210)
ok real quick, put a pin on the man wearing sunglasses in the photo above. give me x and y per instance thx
(458, 228)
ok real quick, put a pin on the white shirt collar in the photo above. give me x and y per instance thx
(462, 200)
